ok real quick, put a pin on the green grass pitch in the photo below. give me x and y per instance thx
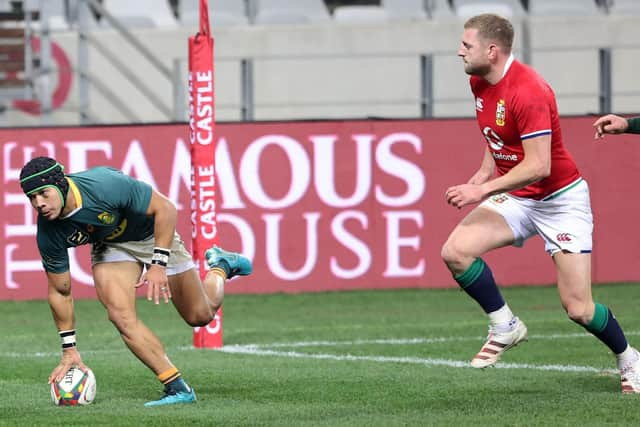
(361, 358)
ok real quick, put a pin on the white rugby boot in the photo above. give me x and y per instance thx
(497, 343)
(630, 375)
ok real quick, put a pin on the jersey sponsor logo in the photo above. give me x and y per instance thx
(479, 102)
(500, 113)
(509, 157)
(118, 231)
(106, 218)
(493, 138)
(78, 238)
(563, 237)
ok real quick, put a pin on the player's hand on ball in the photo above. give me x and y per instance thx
(70, 357)
(76, 388)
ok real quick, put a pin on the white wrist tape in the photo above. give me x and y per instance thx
(160, 256)
(68, 338)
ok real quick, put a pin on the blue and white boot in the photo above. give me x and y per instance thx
(172, 398)
(232, 263)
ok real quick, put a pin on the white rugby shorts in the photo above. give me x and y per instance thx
(180, 259)
(563, 219)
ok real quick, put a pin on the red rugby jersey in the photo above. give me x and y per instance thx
(522, 106)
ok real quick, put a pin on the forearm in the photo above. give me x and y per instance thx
(480, 177)
(164, 228)
(634, 125)
(165, 216)
(61, 304)
(535, 165)
(486, 170)
(518, 177)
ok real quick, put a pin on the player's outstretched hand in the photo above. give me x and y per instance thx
(70, 357)
(611, 124)
(157, 284)
(465, 194)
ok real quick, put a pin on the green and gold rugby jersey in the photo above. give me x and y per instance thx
(111, 208)
(634, 125)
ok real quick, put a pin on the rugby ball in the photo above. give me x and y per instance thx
(76, 388)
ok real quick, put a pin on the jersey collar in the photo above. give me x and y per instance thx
(507, 65)
(76, 194)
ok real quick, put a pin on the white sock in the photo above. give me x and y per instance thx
(628, 356)
(502, 318)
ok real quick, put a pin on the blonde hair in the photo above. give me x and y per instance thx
(493, 28)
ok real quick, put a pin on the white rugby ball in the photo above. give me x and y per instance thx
(76, 388)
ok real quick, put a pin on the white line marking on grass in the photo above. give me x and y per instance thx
(42, 354)
(266, 349)
(251, 350)
(390, 341)
(411, 341)
(299, 344)
(262, 351)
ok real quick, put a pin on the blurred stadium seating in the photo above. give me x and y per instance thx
(440, 9)
(141, 13)
(508, 8)
(360, 14)
(290, 12)
(324, 59)
(225, 13)
(564, 8)
(625, 7)
(405, 9)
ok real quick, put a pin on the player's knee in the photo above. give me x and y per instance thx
(447, 253)
(578, 312)
(201, 317)
(452, 256)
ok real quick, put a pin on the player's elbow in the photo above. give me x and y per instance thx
(171, 211)
(166, 212)
(160, 205)
(167, 205)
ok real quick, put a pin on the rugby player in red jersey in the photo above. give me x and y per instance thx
(527, 184)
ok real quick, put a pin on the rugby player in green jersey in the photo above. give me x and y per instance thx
(132, 229)
(612, 124)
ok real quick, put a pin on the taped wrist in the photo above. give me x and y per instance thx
(160, 256)
(68, 338)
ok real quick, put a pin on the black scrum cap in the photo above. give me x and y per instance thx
(42, 172)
